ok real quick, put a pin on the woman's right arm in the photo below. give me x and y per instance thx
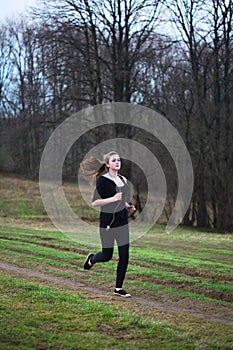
(100, 202)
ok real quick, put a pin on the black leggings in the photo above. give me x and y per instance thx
(107, 253)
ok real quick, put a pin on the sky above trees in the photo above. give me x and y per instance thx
(14, 7)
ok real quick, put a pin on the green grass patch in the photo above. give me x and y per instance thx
(44, 318)
(184, 270)
(21, 199)
(174, 271)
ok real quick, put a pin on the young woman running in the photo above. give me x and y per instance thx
(111, 195)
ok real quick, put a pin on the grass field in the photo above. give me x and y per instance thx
(181, 285)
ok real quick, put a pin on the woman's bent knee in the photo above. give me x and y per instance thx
(107, 254)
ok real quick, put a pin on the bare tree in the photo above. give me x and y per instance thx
(222, 143)
(205, 31)
(116, 34)
(23, 97)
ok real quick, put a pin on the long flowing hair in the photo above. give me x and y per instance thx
(92, 168)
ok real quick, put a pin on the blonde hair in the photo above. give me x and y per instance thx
(92, 168)
(108, 155)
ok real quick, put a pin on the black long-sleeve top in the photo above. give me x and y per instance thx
(113, 213)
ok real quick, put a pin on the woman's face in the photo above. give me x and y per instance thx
(114, 162)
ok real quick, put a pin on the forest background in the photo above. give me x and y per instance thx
(174, 57)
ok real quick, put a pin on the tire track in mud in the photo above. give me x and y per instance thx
(136, 301)
(181, 285)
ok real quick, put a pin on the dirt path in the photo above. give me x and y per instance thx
(207, 311)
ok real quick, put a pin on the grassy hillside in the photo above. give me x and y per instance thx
(20, 202)
(181, 285)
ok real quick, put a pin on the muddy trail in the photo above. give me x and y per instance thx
(207, 311)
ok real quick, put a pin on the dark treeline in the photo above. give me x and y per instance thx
(175, 57)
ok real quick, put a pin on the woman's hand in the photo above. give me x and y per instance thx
(130, 208)
(117, 197)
